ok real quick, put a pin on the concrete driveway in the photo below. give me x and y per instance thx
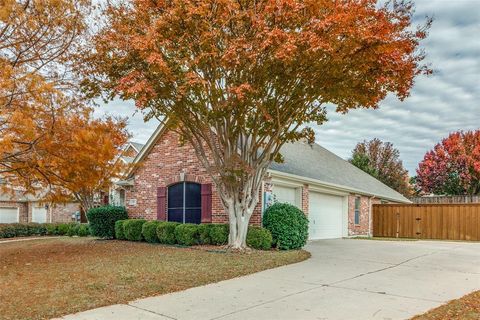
(344, 279)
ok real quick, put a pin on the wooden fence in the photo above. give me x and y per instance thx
(459, 221)
(446, 199)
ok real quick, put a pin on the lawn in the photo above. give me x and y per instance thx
(465, 308)
(47, 278)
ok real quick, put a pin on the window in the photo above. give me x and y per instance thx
(184, 203)
(357, 210)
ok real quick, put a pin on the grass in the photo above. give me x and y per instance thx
(465, 308)
(41, 279)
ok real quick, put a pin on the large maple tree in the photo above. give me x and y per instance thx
(453, 166)
(239, 78)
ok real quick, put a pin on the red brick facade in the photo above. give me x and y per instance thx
(167, 163)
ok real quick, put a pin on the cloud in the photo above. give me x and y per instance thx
(447, 101)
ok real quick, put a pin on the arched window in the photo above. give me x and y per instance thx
(184, 202)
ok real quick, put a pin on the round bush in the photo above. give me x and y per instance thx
(166, 232)
(102, 220)
(219, 234)
(83, 230)
(259, 238)
(187, 234)
(73, 230)
(204, 233)
(132, 229)
(149, 231)
(63, 228)
(288, 226)
(119, 231)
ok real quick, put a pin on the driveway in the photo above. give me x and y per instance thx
(344, 279)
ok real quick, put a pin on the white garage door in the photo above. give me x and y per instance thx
(286, 195)
(39, 214)
(8, 215)
(325, 215)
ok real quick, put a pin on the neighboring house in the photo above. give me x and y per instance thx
(429, 199)
(169, 183)
(116, 194)
(21, 208)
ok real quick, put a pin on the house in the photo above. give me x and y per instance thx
(17, 207)
(169, 183)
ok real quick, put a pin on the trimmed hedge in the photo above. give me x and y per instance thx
(11, 230)
(119, 231)
(204, 233)
(102, 220)
(287, 224)
(149, 231)
(166, 232)
(259, 238)
(132, 229)
(219, 234)
(187, 234)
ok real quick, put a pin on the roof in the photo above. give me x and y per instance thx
(137, 146)
(127, 160)
(315, 162)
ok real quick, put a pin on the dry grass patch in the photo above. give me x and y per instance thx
(465, 308)
(52, 277)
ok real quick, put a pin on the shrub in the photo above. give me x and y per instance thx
(259, 238)
(7, 231)
(119, 230)
(52, 229)
(287, 224)
(132, 229)
(102, 220)
(204, 233)
(36, 229)
(62, 228)
(149, 231)
(187, 234)
(83, 230)
(166, 232)
(219, 234)
(73, 229)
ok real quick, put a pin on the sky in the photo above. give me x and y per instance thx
(447, 101)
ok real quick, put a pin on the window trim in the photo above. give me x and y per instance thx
(184, 199)
(356, 217)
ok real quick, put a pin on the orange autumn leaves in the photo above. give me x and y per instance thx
(47, 134)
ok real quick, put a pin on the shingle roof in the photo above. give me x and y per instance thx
(316, 162)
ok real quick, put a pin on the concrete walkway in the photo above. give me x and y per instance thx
(344, 279)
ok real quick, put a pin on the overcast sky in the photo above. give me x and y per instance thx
(447, 101)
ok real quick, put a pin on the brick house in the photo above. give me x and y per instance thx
(169, 183)
(21, 208)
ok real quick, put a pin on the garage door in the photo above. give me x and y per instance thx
(325, 215)
(39, 214)
(8, 215)
(286, 195)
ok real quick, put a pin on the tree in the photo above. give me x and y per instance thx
(382, 161)
(453, 166)
(83, 157)
(238, 78)
(38, 44)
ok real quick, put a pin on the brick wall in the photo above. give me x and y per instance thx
(63, 212)
(365, 224)
(23, 212)
(167, 163)
(305, 199)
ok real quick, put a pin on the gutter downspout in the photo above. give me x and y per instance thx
(370, 215)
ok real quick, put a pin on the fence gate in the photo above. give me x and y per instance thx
(427, 221)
